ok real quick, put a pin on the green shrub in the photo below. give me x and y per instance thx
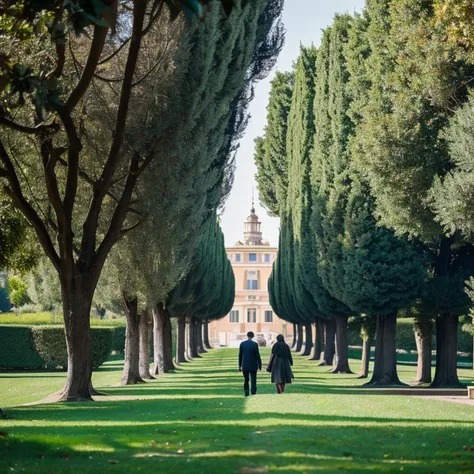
(50, 343)
(36, 347)
(17, 350)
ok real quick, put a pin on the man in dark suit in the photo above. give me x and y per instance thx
(249, 363)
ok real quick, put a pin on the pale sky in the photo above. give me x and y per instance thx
(303, 20)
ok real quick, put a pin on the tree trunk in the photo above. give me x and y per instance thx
(194, 338)
(366, 345)
(77, 302)
(293, 343)
(342, 347)
(367, 333)
(446, 329)
(167, 340)
(157, 342)
(423, 336)
(308, 343)
(329, 342)
(206, 342)
(181, 340)
(385, 365)
(299, 338)
(188, 338)
(200, 341)
(131, 368)
(145, 346)
(446, 375)
(317, 346)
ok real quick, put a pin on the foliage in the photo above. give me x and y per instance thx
(18, 290)
(18, 249)
(456, 17)
(270, 150)
(43, 286)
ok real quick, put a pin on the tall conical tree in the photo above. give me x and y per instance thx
(270, 151)
(329, 168)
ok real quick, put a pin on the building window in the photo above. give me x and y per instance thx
(252, 280)
(251, 315)
(237, 257)
(234, 316)
(269, 316)
(266, 258)
(252, 257)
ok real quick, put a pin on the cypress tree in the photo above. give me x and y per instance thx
(329, 163)
(270, 150)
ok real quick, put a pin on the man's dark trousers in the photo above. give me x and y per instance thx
(253, 382)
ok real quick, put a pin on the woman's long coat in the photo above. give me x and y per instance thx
(280, 363)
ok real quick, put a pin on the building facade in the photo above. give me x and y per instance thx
(252, 262)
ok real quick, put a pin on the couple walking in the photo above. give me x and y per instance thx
(279, 364)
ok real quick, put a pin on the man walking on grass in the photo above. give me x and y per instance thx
(249, 363)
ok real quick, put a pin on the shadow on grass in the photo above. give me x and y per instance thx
(219, 435)
(199, 422)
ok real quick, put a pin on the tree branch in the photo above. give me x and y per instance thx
(15, 193)
(29, 130)
(103, 185)
(129, 229)
(74, 149)
(98, 41)
(112, 55)
(61, 59)
(114, 231)
(153, 68)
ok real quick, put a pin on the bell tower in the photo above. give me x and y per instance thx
(252, 232)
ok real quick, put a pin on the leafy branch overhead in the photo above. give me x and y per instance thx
(51, 23)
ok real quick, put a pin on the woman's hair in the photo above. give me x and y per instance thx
(279, 348)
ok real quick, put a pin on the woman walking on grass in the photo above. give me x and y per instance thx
(280, 364)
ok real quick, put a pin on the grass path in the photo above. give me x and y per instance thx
(197, 421)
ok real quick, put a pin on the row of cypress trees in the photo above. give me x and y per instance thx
(355, 144)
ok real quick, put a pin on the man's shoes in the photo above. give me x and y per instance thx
(246, 394)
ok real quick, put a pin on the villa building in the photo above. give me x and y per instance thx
(252, 262)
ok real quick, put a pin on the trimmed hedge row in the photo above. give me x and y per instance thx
(38, 347)
(406, 336)
(17, 349)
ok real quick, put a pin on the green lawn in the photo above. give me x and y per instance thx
(197, 421)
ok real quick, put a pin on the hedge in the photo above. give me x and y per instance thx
(37, 347)
(17, 349)
(406, 336)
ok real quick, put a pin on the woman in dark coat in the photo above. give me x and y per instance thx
(280, 364)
